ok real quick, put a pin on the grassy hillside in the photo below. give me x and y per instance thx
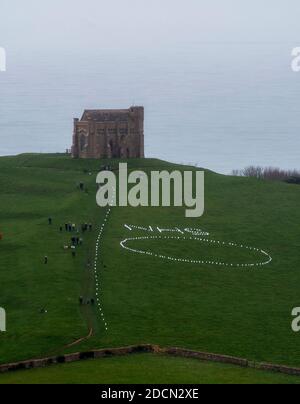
(137, 369)
(242, 311)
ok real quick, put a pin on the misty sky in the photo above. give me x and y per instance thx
(224, 64)
(92, 25)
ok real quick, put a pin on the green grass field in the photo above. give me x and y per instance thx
(236, 311)
(145, 369)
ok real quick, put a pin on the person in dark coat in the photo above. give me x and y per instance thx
(73, 248)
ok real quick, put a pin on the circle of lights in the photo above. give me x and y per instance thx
(124, 245)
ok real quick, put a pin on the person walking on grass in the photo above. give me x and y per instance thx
(50, 221)
(73, 249)
(45, 260)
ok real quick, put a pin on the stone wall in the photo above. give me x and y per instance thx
(154, 349)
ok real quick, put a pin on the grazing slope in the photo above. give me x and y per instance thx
(241, 311)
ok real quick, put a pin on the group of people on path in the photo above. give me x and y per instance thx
(75, 240)
(73, 228)
(83, 301)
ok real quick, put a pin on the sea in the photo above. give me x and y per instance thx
(221, 106)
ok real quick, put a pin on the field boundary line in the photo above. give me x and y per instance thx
(151, 349)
